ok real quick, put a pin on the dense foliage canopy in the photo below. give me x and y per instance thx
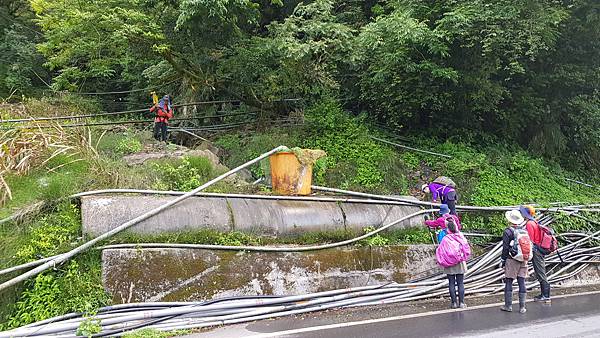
(524, 71)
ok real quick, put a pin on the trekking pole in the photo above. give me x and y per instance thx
(559, 256)
(432, 234)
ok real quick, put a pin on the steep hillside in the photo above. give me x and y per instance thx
(495, 174)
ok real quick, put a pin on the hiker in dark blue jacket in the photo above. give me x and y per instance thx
(513, 268)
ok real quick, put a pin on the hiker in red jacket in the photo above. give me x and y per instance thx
(163, 112)
(539, 263)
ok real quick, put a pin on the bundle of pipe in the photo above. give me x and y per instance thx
(395, 292)
(483, 277)
(59, 259)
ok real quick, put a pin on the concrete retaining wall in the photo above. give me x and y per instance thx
(131, 275)
(261, 217)
(147, 275)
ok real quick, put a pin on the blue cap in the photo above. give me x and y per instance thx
(444, 209)
(526, 213)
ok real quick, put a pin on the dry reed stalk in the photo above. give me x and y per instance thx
(24, 149)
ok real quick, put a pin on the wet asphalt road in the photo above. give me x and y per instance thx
(567, 317)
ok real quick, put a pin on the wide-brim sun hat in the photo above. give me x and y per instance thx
(514, 217)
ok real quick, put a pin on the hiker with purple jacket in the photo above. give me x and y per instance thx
(453, 253)
(442, 190)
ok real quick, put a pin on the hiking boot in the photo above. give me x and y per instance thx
(507, 301)
(542, 299)
(522, 298)
(462, 305)
(547, 294)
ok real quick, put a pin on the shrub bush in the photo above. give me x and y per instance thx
(128, 145)
(184, 175)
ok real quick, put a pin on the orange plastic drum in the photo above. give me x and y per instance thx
(289, 176)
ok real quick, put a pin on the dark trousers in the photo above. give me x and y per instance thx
(539, 266)
(454, 282)
(160, 131)
(450, 199)
(508, 285)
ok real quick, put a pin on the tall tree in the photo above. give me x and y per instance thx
(20, 66)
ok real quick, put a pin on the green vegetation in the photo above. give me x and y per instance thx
(186, 175)
(525, 72)
(353, 160)
(128, 145)
(76, 289)
(509, 89)
(70, 288)
(45, 183)
(89, 327)
(377, 240)
(51, 234)
(152, 333)
(487, 175)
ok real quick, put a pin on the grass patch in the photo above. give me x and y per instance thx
(236, 238)
(44, 184)
(202, 236)
(152, 333)
(73, 287)
(117, 144)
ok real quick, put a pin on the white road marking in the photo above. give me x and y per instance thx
(389, 319)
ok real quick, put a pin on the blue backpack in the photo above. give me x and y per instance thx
(441, 234)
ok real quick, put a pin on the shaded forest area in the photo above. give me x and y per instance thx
(481, 71)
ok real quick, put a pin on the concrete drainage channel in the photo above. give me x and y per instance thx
(101, 214)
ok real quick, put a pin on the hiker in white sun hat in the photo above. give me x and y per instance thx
(514, 217)
(516, 252)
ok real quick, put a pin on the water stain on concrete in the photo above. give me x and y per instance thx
(131, 275)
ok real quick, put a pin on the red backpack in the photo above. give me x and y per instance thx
(520, 246)
(548, 242)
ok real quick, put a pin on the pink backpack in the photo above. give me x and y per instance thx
(453, 249)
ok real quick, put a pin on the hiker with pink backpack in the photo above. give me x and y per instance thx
(516, 252)
(439, 224)
(452, 254)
